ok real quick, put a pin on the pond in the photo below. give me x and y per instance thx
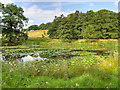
(21, 57)
(51, 54)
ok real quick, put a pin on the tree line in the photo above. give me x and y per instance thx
(102, 24)
(39, 27)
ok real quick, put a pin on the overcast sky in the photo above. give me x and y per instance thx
(43, 12)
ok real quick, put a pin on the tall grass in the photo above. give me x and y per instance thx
(91, 71)
(99, 74)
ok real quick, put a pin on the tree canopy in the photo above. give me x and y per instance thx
(33, 27)
(12, 22)
(39, 27)
(102, 24)
(44, 26)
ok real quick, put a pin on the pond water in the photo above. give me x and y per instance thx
(30, 58)
(23, 57)
(20, 58)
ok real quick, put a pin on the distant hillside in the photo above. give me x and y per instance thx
(37, 33)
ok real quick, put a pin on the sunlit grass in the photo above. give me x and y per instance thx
(90, 71)
(37, 33)
(98, 75)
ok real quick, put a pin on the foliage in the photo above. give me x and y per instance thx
(38, 27)
(44, 26)
(102, 24)
(100, 74)
(12, 23)
(86, 71)
(33, 27)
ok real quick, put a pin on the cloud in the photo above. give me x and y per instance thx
(91, 4)
(115, 11)
(34, 13)
(30, 22)
(40, 14)
(116, 3)
(56, 4)
(6, 1)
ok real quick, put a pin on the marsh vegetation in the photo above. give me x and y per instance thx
(79, 64)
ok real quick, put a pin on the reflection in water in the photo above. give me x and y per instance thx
(20, 58)
(59, 55)
(30, 58)
(27, 58)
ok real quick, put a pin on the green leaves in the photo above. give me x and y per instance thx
(12, 20)
(33, 27)
(102, 24)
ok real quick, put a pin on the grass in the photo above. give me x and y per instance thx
(0, 35)
(61, 74)
(37, 33)
(90, 71)
(83, 81)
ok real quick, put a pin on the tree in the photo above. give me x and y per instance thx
(12, 22)
(41, 26)
(45, 26)
(53, 30)
(119, 24)
(102, 24)
(33, 27)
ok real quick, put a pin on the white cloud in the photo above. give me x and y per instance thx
(91, 4)
(116, 2)
(56, 4)
(64, 0)
(35, 13)
(115, 11)
(6, 1)
(30, 22)
(40, 14)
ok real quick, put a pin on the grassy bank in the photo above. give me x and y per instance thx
(37, 34)
(89, 70)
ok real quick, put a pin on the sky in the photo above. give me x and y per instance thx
(43, 12)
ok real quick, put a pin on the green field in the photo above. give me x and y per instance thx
(37, 33)
(76, 64)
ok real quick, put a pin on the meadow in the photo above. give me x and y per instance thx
(37, 33)
(85, 63)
